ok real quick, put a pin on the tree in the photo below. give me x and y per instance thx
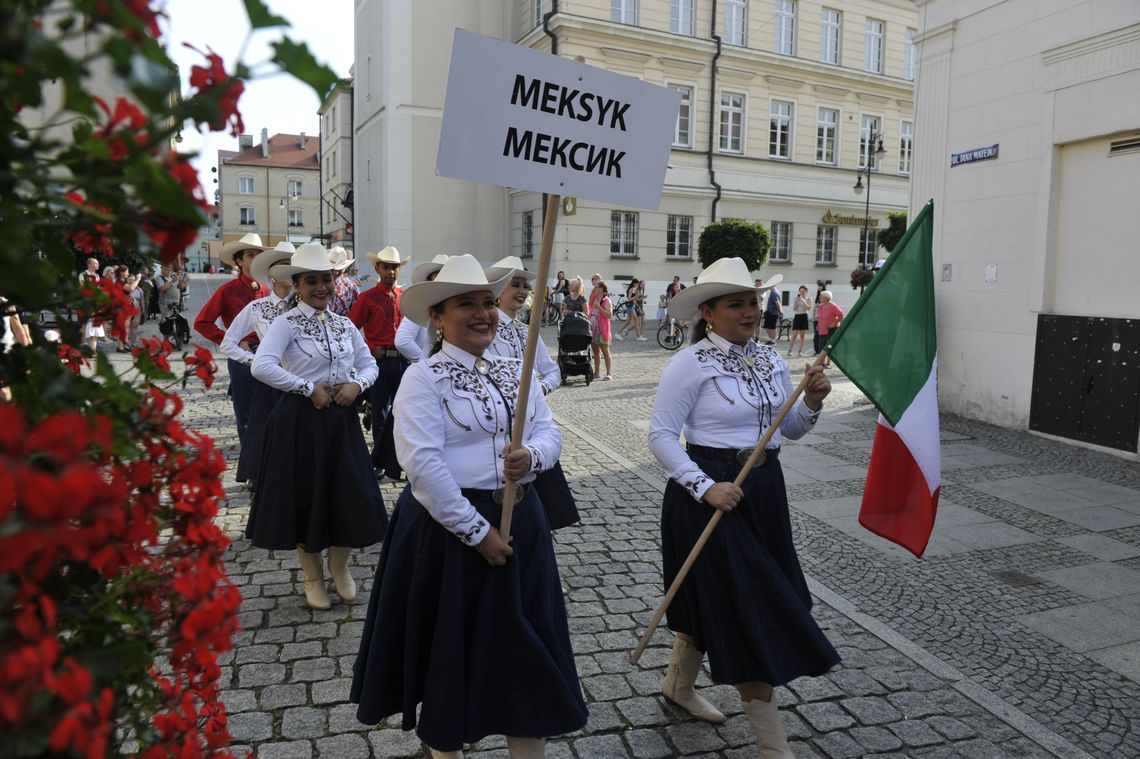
(737, 238)
(896, 227)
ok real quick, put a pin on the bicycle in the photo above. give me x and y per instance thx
(671, 335)
(621, 308)
(175, 328)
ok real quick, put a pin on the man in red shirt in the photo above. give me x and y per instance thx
(225, 303)
(377, 314)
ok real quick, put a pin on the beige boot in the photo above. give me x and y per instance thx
(338, 568)
(315, 592)
(526, 748)
(684, 666)
(434, 754)
(768, 728)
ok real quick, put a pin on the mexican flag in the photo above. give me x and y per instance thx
(887, 345)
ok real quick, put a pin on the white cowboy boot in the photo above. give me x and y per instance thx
(434, 754)
(338, 568)
(684, 665)
(526, 748)
(315, 593)
(768, 728)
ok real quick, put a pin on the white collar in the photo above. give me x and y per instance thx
(504, 317)
(459, 355)
(725, 345)
(308, 311)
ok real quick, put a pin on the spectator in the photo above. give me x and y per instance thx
(575, 300)
(635, 310)
(561, 288)
(829, 317)
(600, 310)
(675, 287)
(662, 304)
(91, 331)
(773, 312)
(800, 309)
(820, 287)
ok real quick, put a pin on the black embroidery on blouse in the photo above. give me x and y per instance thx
(265, 312)
(695, 483)
(338, 344)
(757, 384)
(465, 383)
(504, 373)
(508, 334)
(468, 535)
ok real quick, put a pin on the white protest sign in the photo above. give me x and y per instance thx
(521, 118)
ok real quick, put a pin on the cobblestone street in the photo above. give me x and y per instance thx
(1018, 635)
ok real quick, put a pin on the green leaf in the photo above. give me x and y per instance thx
(295, 58)
(260, 17)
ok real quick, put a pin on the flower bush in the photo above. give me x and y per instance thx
(861, 277)
(114, 600)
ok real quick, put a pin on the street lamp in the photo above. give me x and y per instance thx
(876, 139)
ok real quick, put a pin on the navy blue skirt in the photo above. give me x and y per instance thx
(485, 649)
(745, 601)
(261, 403)
(315, 484)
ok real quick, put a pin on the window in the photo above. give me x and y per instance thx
(245, 185)
(873, 47)
(868, 245)
(731, 123)
(786, 27)
(868, 130)
(780, 131)
(537, 13)
(623, 234)
(781, 242)
(910, 56)
(624, 11)
(825, 244)
(734, 22)
(682, 137)
(294, 188)
(830, 32)
(368, 78)
(333, 164)
(679, 237)
(296, 217)
(528, 235)
(906, 146)
(246, 216)
(681, 17)
(334, 117)
(826, 129)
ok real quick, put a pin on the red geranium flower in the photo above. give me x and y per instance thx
(213, 81)
(126, 124)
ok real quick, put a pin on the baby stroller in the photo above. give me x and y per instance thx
(175, 328)
(574, 347)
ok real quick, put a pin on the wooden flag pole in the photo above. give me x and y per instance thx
(717, 514)
(537, 308)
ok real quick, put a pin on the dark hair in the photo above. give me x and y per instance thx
(437, 346)
(701, 330)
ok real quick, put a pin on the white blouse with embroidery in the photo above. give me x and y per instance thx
(255, 317)
(452, 423)
(301, 350)
(709, 393)
(510, 342)
(413, 341)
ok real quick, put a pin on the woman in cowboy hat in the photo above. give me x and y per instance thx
(459, 620)
(746, 602)
(316, 489)
(255, 319)
(510, 342)
(412, 340)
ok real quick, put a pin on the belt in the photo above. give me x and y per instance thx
(495, 495)
(736, 455)
(387, 353)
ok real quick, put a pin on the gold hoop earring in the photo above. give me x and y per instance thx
(439, 334)
(708, 327)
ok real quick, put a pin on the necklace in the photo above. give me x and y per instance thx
(748, 360)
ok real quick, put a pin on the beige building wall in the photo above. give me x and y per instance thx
(270, 202)
(336, 165)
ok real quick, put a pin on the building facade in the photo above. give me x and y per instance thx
(270, 188)
(336, 166)
(1031, 148)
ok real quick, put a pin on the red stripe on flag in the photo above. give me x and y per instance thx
(897, 503)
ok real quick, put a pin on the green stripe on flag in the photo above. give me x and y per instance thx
(887, 343)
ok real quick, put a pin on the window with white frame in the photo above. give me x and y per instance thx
(731, 122)
(294, 188)
(830, 33)
(906, 146)
(826, 134)
(786, 27)
(735, 22)
(868, 245)
(869, 128)
(781, 242)
(679, 237)
(624, 11)
(246, 216)
(296, 217)
(537, 13)
(527, 235)
(334, 163)
(825, 237)
(623, 234)
(245, 185)
(682, 134)
(910, 55)
(780, 130)
(681, 17)
(873, 46)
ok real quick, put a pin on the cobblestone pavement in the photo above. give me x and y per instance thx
(1016, 636)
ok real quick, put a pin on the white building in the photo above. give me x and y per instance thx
(336, 166)
(1035, 240)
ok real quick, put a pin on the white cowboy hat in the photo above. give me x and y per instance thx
(459, 275)
(250, 240)
(425, 270)
(722, 277)
(341, 257)
(510, 266)
(259, 269)
(389, 256)
(312, 256)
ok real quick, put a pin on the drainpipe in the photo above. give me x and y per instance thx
(713, 112)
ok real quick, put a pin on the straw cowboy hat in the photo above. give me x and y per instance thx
(511, 266)
(341, 257)
(425, 270)
(722, 277)
(312, 256)
(388, 256)
(459, 275)
(259, 269)
(248, 241)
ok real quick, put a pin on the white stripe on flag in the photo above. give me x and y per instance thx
(918, 429)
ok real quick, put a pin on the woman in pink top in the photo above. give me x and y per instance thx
(829, 317)
(600, 310)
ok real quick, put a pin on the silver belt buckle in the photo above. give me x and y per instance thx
(520, 492)
(743, 454)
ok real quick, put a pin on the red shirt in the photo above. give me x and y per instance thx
(226, 302)
(377, 313)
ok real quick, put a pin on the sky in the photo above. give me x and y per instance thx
(278, 103)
